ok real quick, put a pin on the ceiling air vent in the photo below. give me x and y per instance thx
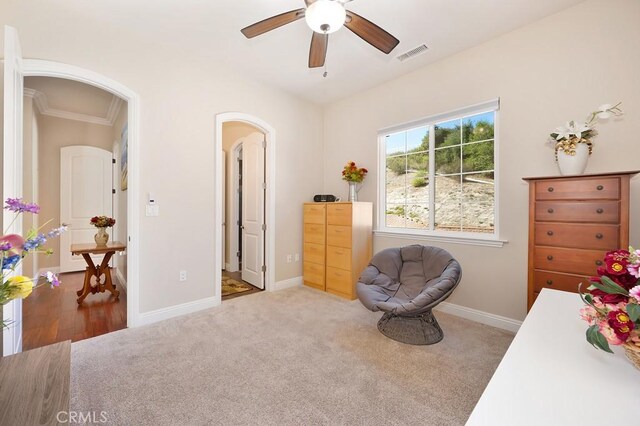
(413, 53)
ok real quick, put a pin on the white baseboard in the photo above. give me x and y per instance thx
(480, 316)
(121, 279)
(291, 282)
(177, 310)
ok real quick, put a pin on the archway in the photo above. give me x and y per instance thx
(41, 68)
(270, 137)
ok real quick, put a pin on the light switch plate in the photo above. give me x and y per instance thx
(153, 210)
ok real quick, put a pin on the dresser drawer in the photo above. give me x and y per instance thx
(579, 189)
(576, 211)
(554, 281)
(313, 253)
(603, 237)
(339, 281)
(314, 233)
(314, 213)
(339, 257)
(571, 261)
(339, 214)
(313, 275)
(339, 236)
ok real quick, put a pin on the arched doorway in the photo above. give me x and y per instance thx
(270, 140)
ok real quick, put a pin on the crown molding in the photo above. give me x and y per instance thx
(40, 101)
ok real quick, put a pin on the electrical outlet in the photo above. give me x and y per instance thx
(183, 275)
(289, 259)
(297, 257)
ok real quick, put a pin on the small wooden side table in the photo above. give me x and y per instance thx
(86, 250)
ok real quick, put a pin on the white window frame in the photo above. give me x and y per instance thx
(470, 238)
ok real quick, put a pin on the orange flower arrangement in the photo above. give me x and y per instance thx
(351, 172)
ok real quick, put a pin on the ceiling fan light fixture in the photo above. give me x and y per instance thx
(325, 16)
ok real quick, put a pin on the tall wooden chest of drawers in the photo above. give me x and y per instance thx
(573, 221)
(337, 245)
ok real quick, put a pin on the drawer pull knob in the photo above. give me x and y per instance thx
(599, 236)
(549, 233)
(550, 210)
(600, 188)
(599, 262)
(549, 257)
(550, 189)
(549, 282)
(600, 211)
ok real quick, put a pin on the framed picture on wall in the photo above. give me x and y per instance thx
(123, 157)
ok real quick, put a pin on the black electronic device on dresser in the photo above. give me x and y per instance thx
(324, 198)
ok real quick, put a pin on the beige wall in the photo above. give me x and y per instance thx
(180, 94)
(231, 132)
(121, 196)
(29, 182)
(55, 133)
(546, 73)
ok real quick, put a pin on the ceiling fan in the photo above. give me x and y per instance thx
(325, 17)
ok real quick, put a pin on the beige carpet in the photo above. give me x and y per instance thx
(296, 356)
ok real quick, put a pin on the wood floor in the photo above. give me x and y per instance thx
(53, 315)
(238, 277)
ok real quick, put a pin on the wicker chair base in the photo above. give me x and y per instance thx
(418, 330)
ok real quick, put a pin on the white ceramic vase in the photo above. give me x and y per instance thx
(573, 164)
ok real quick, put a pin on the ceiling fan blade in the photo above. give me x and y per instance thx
(272, 23)
(318, 51)
(371, 33)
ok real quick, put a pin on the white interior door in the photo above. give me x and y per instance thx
(12, 170)
(224, 209)
(253, 189)
(85, 191)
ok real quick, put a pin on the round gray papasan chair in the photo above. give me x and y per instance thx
(406, 283)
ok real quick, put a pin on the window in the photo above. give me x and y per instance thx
(440, 174)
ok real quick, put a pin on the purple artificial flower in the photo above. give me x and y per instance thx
(34, 243)
(16, 205)
(55, 232)
(10, 262)
(5, 245)
(52, 278)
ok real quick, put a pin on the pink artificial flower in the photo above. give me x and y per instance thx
(597, 302)
(608, 333)
(589, 314)
(635, 293)
(634, 267)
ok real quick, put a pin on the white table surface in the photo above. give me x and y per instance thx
(551, 375)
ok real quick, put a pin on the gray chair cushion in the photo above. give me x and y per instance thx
(408, 281)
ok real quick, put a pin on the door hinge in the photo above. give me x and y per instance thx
(264, 268)
(113, 160)
(264, 144)
(238, 254)
(238, 222)
(264, 226)
(113, 191)
(264, 185)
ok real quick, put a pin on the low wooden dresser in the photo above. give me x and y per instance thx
(573, 222)
(337, 245)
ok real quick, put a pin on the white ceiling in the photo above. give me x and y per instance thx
(211, 29)
(73, 100)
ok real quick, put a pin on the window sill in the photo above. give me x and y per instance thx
(471, 241)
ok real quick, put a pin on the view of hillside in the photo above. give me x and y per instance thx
(464, 187)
